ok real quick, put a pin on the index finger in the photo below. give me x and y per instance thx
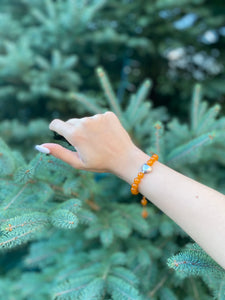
(62, 128)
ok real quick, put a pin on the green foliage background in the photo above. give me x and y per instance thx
(67, 234)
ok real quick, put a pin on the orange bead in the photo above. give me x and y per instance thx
(140, 175)
(144, 201)
(137, 180)
(134, 185)
(151, 161)
(155, 156)
(134, 191)
(144, 214)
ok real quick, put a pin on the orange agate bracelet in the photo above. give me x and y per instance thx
(146, 168)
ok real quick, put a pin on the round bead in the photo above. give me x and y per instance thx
(151, 161)
(141, 175)
(137, 180)
(134, 185)
(134, 191)
(144, 201)
(155, 156)
(144, 214)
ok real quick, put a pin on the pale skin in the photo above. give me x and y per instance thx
(103, 145)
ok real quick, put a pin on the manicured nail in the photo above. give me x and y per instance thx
(42, 149)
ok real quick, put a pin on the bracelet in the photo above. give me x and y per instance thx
(146, 168)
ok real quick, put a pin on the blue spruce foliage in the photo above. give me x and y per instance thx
(70, 234)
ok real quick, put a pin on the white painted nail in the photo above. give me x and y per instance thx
(42, 149)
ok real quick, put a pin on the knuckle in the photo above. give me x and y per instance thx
(85, 121)
(77, 132)
(71, 121)
(110, 114)
(54, 123)
(96, 116)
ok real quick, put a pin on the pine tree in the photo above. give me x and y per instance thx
(68, 234)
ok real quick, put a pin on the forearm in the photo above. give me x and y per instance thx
(199, 210)
(196, 208)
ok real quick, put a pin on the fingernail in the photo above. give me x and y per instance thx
(42, 149)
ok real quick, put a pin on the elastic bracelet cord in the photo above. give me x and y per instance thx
(146, 168)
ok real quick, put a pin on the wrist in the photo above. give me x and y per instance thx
(130, 164)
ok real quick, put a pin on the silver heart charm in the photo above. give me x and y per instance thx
(146, 169)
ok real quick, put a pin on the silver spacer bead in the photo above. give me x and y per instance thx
(146, 169)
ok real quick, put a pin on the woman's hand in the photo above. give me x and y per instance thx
(102, 144)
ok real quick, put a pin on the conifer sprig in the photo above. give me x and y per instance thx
(190, 149)
(120, 223)
(138, 98)
(195, 262)
(21, 229)
(107, 88)
(107, 273)
(87, 102)
(196, 99)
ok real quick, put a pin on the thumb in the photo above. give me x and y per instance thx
(70, 157)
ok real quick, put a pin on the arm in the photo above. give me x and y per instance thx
(103, 145)
(196, 208)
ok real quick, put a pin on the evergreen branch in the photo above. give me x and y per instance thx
(187, 149)
(21, 229)
(86, 216)
(132, 214)
(121, 227)
(196, 98)
(94, 290)
(93, 231)
(118, 258)
(220, 292)
(167, 293)
(140, 97)
(195, 262)
(208, 119)
(157, 126)
(64, 219)
(194, 287)
(201, 118)
(7, 161)
(9, 242)
(91, 106)
(157, 140)
(16, 196)
(62, 190)
(106, 236)
(121, 290)
(158, 286)
(37, 260)
(125, 275)
(73, 205)
(92, 204)
(202, 109)
(109, 92)
(71, 289)
(24, 174)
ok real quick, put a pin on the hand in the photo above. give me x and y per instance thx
(102, 144)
